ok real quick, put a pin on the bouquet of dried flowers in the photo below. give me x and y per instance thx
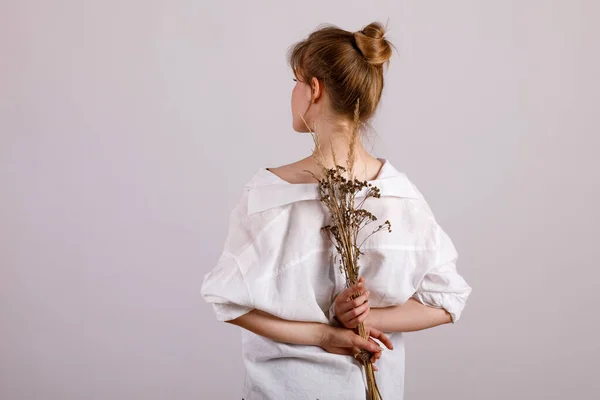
(348, 218)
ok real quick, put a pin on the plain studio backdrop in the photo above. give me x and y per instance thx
(129, 127)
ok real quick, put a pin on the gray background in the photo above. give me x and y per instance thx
(129, 127)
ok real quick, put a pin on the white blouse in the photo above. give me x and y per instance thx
(277, 259)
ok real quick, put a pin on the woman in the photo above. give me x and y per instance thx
(276, 276)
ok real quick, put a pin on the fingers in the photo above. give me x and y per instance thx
(383, 338)
(356, 311)
(377, 355)
(365, 344)
(356, 351)
(351, 312)
(360, 300)
(343, 303)
(352, 322)
(347, 309)
(357, 287)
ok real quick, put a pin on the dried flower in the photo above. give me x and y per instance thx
(348, 218)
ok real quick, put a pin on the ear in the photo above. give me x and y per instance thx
(316, 88)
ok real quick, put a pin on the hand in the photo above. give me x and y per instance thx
(373, 332)
(349, 312)
(347, 342)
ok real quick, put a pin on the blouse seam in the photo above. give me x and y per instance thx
(261, 232)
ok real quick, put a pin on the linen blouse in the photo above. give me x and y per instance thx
(276, 258)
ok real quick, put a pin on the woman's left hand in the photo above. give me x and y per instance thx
(372, 332)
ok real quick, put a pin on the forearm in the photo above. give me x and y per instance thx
(282, 330)
(407, 317)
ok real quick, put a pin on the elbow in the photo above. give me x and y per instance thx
(240, 318)
(452, 304)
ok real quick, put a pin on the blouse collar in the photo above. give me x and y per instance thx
(266, 190)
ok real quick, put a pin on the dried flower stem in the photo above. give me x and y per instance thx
(347, 220)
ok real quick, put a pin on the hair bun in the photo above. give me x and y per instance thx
(372, 44)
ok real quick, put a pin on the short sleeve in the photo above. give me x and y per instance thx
(442, 286)
(224, 287)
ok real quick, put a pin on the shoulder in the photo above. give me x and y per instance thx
(418, 197)
(422, 206)
(296, 172)
(284, 172)
(304, 170)
(414, 188)
(260, 177)
(289, 173)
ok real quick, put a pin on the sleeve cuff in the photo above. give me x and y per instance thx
(227, 312)
(454, 303)
(225, 288)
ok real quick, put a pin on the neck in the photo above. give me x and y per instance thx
(338, 141)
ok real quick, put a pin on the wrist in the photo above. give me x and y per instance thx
(321, 332)
(373, 318)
